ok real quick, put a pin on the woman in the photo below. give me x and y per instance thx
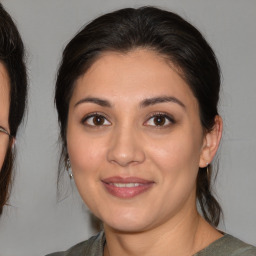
(13, 91)
(136, 95)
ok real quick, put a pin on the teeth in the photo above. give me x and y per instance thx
(125, 185)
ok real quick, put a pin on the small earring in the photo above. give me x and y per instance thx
(13, 143)
(69, 170)
(207, 170)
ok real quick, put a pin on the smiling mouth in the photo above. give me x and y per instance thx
(126, 188)
(125, 185)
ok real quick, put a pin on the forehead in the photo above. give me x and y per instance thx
(137, 74)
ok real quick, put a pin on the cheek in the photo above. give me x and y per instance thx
(84, 152)
(178, 151)
(86, 157)
(178, 160)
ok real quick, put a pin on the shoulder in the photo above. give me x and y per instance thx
(228, 245)
(91, 247)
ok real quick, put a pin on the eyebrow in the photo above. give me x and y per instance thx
(144, 103)
(100, 102)
(161, 99)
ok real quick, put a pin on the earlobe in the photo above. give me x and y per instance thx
(211, 143)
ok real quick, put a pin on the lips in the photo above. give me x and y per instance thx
(128, 187)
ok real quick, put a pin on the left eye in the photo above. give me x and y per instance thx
(96, 120)
(159, 120)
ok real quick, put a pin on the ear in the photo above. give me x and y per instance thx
(211, 143)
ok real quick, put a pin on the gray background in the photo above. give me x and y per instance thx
(35, 224)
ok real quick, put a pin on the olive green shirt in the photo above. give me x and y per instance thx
(225, 246)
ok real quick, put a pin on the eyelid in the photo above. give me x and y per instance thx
(169, 117)
(93, 114)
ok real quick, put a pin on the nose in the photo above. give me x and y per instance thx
(125, 147)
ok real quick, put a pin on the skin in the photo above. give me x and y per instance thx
(129, 142)
(4, 111)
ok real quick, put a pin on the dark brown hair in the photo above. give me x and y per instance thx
(12, 56)
(165, 33)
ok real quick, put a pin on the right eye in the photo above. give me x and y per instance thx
(96, 120)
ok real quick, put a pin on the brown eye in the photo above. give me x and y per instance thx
(96, 120)
(160, 120)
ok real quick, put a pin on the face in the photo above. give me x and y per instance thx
(4, 111)
(135, 141)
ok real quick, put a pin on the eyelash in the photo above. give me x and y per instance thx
(94, 115)
(167, 118)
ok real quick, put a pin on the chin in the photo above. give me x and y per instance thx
(126, 224)
(125, 227)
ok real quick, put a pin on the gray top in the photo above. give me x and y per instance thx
(225, 246)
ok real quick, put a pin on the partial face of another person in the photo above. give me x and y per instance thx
(135, 141)
(4, 111)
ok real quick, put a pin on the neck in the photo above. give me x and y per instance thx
(182, 236)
